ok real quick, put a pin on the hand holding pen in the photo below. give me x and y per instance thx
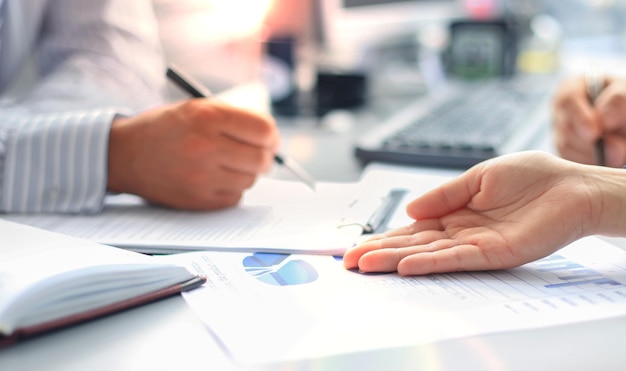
(590, 119)
(197, 90)
(577, 124)
(194, 154)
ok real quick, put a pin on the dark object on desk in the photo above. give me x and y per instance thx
(280, 64)
(339, 90)
(470, 123)
(481, 49)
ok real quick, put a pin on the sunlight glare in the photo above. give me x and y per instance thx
(240, 16)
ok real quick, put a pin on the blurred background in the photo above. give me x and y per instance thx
(329, 70)
(402, 46)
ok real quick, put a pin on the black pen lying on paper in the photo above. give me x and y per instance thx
(196, 90)
(595, 83)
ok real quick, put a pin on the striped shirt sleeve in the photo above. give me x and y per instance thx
(54, 162)
(92, 54)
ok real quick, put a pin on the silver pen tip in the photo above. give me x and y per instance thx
(296, 170)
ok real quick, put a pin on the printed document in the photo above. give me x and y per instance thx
(274, 215)
(273, 308)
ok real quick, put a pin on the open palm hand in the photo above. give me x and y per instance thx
(500, 214)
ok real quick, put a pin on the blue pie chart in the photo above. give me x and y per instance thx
(279, 269)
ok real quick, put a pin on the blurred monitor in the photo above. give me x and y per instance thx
(350, 26)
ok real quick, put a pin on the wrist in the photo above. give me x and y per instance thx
(608, 187)
(116, 156)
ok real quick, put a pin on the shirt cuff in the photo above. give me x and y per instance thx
(57, 163)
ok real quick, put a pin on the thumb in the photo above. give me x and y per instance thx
(446, 198)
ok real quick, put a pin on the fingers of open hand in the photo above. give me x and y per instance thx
(438, 256)
(414, 228)
(445, 199)
(448, 257)
(410, 229)
(391, 242)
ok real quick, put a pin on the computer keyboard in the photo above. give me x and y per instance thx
(468, 124)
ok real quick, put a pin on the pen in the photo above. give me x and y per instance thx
(197, 90)
(595, 83)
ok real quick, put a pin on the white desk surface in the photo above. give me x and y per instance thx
(165, 335)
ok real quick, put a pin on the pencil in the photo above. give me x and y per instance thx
(595, 83)
(197, 90)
